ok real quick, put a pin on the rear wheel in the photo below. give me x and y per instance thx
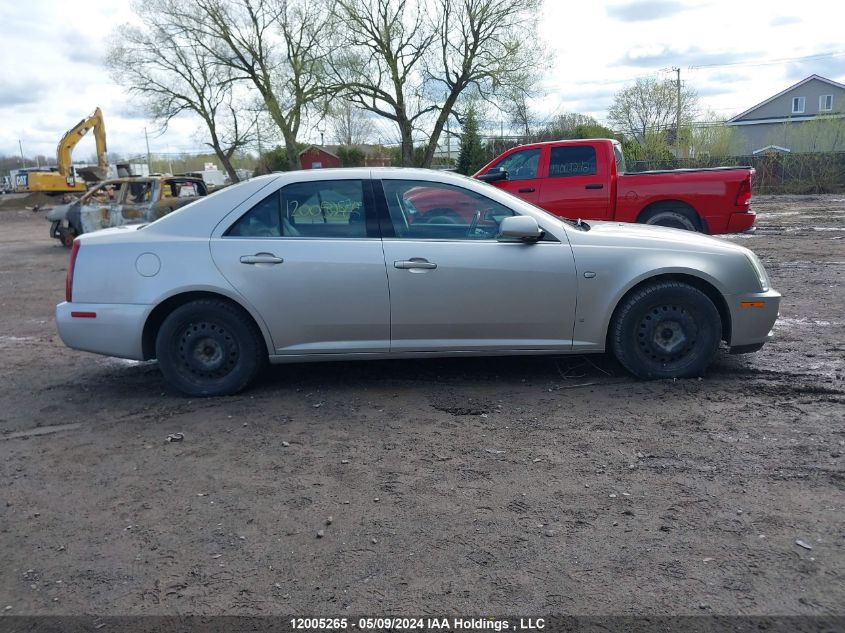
(672, 217)
(209, 347)
(666, 330)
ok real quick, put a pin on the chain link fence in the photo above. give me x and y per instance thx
(822, 172)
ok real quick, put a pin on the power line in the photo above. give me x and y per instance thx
(773, 61)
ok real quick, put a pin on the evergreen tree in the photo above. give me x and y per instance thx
(472, 154)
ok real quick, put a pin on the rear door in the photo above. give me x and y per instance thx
(577, 183)
(308, 258)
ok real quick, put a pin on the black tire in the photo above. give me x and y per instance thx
(673, 218)
(209, 347)
(67, 235)
(666, 330)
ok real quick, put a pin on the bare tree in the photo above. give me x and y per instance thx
(380, 69)
(520, 115)
(411, 60)
(651, 105)
(489, 46)
(709, 136)
(349, 125)
(275, 46)
(172, 75)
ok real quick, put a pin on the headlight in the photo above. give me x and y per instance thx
(759, 271)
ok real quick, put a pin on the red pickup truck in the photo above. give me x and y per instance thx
(586, 179)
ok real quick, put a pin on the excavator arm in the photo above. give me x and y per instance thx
(75, 134)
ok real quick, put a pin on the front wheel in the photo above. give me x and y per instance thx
(666, 330)
(209, 347)
(66, 235)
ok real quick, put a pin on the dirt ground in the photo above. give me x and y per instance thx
(518, 486)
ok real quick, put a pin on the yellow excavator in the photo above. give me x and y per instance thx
(62, 179)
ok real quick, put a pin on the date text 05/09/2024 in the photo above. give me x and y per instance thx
(419, 624)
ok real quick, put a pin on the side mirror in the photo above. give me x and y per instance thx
(520, 228)
(494, 175)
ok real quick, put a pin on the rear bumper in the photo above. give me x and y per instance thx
(752, 319)
(734, 222)
(739, 222)
(115, 330)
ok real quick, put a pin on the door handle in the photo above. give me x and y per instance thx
(414, 264)
(594, 186)
(526, 190)
(261, 258)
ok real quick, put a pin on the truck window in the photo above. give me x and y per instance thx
(576, 160)
(620, 159)
(520, 165)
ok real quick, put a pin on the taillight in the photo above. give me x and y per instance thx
(743, 196)
(69, 279)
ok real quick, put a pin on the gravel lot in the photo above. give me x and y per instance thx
(532, 486)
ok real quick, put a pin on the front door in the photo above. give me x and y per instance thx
(524, 168)
(454, 287)
(306, 260)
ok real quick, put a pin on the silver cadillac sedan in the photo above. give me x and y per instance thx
(402, 263)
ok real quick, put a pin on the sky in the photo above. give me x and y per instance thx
(735, 54)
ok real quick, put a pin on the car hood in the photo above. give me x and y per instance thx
(646, 236)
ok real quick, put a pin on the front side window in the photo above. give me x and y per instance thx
(798, 105)
(577, 160)
(826, 103)
(421, 210)
(520, 165)
(321, 209)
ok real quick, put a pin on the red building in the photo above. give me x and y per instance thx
(317, 158)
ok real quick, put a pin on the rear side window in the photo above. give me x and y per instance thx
(322, 209)
(577, 160)
(262, 220)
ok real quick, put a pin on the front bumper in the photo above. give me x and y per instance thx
(752, 317)
(115, 330)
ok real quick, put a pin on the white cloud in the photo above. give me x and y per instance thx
(51, 54)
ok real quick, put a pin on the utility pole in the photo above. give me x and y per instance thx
(149, 164)
(23, 161)
(678, 115)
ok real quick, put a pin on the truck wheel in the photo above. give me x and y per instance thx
(666, 330)
(675, 218)
(209, 348)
